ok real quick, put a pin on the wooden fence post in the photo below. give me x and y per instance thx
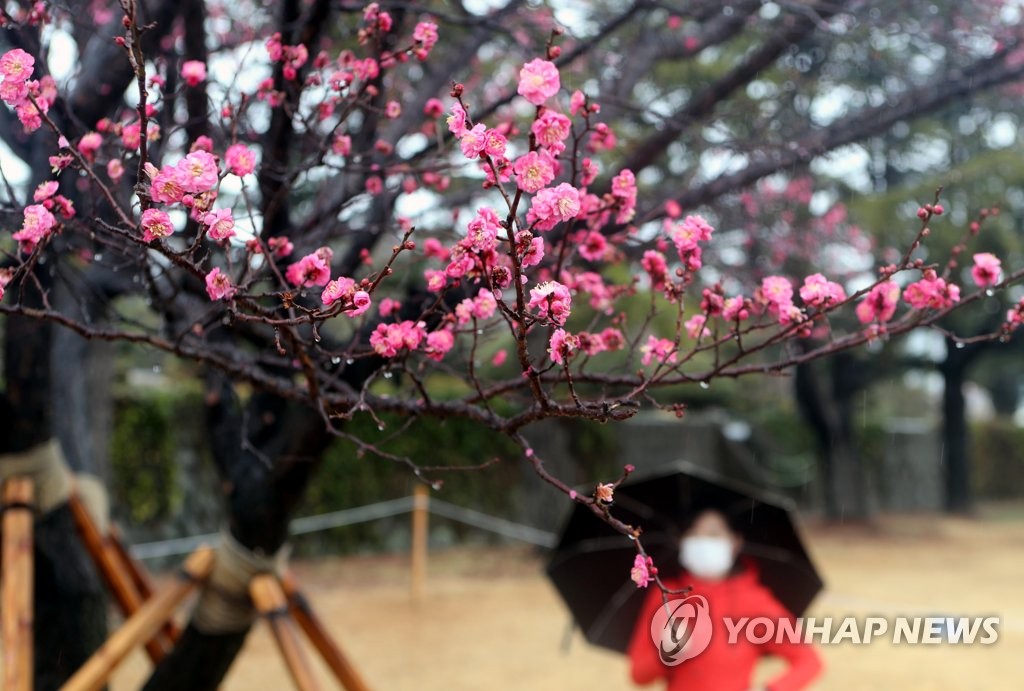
(420, 513)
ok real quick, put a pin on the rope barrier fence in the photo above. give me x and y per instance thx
(363, 514)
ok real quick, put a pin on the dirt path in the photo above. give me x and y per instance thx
(491, 621)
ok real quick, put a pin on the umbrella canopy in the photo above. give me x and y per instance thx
(591, 562)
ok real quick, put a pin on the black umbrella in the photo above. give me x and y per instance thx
(591, 562)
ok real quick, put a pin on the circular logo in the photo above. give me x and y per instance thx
(681, 629)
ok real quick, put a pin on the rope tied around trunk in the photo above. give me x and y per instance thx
(46, 466)
(53, 481)
(224, 605)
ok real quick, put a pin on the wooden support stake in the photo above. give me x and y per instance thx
(314, 629)
(118, 581)
(143, 625)
(270, 602)
(420, 508)
(139, 575)
(16, 586)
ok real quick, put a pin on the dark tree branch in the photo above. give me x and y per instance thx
(795, 29)
(983, 74)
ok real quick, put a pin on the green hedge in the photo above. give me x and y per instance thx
(153, 426)
(148, 430)
(998, 456)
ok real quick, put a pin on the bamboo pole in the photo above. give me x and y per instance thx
(16, 586)
(314, 629)
(139, 575)
(270, 602)
(418, 569)
(142, 625)
(119, 582)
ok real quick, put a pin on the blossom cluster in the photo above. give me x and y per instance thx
(30, 98)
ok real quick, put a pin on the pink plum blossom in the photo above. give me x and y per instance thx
(776, 292)
(193, 72)
(197, 172)
(593, 247)
(36, 225)
(533, 171)
(89, 144)
(624, 193)
(45, 190)
(551, 130)
(576, 101)
(987, 270)
(457, 120)
(659, 350)
(312, 270)
(219, 286)
(931, 292)
(551, 300)
(16, 66)
(220, 224)
(1014, 315)
(439, 343)
(473, 141)
(653, 262)
(687, 235)
(553, 205)
(695, 326)
(880, 303)
(538, 81)
(736, 309)
(342, 145)
(425, 34)
(643, 571)
(436, 280)
(817, 291)
(562, 345)
(388, 340)
(115, 169)
(155, 224)
(480, 307)
(240, 159)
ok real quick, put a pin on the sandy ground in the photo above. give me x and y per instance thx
(491, 621)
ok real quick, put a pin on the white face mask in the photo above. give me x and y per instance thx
(706, 557)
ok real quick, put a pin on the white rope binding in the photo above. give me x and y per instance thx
(224, 605)
(46, 467)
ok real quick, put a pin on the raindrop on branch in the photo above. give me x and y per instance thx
(705, 385)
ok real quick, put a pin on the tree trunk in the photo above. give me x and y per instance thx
(70, 607)
(955, 433)
(830, 415)
(265, 457)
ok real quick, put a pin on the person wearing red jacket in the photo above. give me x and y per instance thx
(708, 554)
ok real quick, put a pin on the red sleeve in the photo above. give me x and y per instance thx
(804, 661)
(644, 664)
